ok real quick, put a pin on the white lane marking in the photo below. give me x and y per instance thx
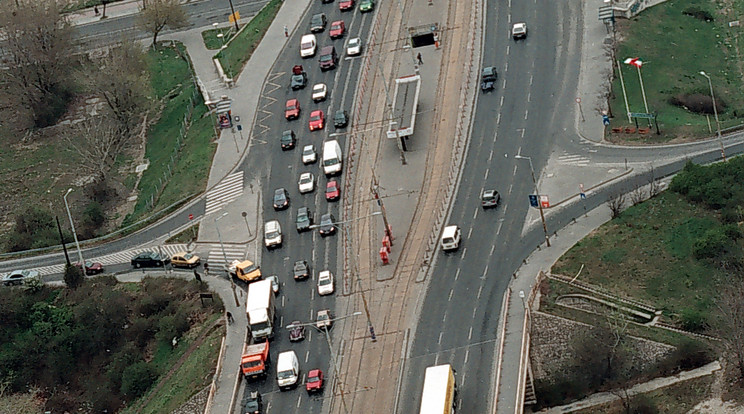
(515, 170)
(504, 87)
(480, 289)
(526, 113)
(283, 300)
(485, 176)
(450, 295)
(299, 400)
(470, 232)
(462, 383)
(531, 77)
(493, 246)
(502, 101)
(485, 271)
(462, 256)
(444, 318)
(490, 156)
(498, 119)
(281, 321)
(529, 94)
(470, 333)
(523, 132)
(457, 273)
(510, 188)
(475, 213)
(439, 341)
(474, 309)
(467, 352)
(506, 67)
(310, 336)
(500, 224)
(508, 47)
(307, 356)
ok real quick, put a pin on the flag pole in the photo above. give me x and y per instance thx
(625, 96)
(643, 92)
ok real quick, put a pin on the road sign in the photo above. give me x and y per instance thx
(641, 115)
(533, 200)
(578, 100)
(605, 120)
(544, 201)
(191, 216)
(240, 127)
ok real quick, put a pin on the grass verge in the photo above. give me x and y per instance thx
(213, 41)
(240, 49)
(187, 236)
(675, 47)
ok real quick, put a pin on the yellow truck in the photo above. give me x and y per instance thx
(245, 270)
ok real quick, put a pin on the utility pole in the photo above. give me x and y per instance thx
(64, 247)
(374, 187)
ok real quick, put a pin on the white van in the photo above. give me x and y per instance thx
(450, 238)
(308, 45)
(287, 370)
(272, 234)
(332, 158)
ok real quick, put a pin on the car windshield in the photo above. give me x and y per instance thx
(284, 375)
(325, 58)
(306, 179)
(251, 364)
(315, 118)
(354, 42)
(318, 88)
(301, 216)
(324, 282)
(336, 26)
(313, 379)
(250, 268)
(308, 151)
(307, 45)
(188, 256)
(331, 188)
(271, 235)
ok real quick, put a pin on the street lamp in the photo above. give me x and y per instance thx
(330, 348)
(539, 202)
(224, 255)
(715, 112)
(74, 233)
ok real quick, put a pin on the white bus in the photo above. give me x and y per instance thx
(440, 390)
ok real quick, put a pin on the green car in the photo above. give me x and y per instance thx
(366, 5)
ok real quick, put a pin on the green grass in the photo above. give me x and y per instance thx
(234, 56)
(189, 163)
(675, 48)
(212, 41)
(187, 236)
(646, 254)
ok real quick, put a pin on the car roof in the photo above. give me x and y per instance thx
(449, 231)
(314, 372)
(316, 112)
(326, 50)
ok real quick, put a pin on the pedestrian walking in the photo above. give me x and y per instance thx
(206, 269)
(95, 10)
(420, 61)
(286, 31)
(229, 317)
(197, 276)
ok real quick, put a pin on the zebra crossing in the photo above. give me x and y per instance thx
(229, 189)
(573, 159)
(167, 250)
(216, 258)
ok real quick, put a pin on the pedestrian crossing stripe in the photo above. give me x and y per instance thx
(226, 191)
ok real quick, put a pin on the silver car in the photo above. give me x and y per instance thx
(19, 277)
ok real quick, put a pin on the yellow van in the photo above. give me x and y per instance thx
(248, 271)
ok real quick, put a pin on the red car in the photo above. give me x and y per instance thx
(317, 120)
(338, 29)
(91, 268)
(344, 5)
(292, 109)
(333, 191)
(314, 381)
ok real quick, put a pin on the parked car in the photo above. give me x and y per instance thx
(325, 283)
(297, 332)
(333, 191)
(299, 78)
(327, 226)
(281, 199)
(91, 267)
(488, 78)
(324, 319)
(304, 219)
(314, 381)
(149, 259)
(288, 140)
(254, 405)
(184, 259)
(345, 5)
(306, 184)
(320, 92)
(338, 28)
(519, 30)
(301, 270)
(317, 120)
(275, 286)
(20, 277)
(318, 23)
(340, 118)
(366, 6)
(490, 198)
(354, 46)
(309, 154)
(292, 109)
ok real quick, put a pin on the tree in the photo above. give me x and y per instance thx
(728, 323)
(37, 48)
(160, 14)
(122, 79)
(98, 142)
(615, 203)
(73, 277)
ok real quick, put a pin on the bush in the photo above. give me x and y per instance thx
(699, 103)
(73, 277)
(694, 320)
(715, 243)
(93, 219)
(698, 13)
(172, 326)
(34, 228)
(690, 354)
(137, 379)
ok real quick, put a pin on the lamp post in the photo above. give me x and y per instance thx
(330, 349)
(539, 202)
(74, 233)
(224, 255)
(715, 113)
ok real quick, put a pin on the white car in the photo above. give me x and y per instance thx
(519, 30)
(325, 283)
(320, 91)
(309, 155)
(272, 234)
(306, 183)
(308, 43)
(354, 47)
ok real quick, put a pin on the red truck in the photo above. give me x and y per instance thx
(255, 360)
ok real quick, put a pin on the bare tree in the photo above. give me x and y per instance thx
(729, 322)
(99, 142)
(160, 14)
(638, 195)
(654, 186)
(123, 81)
(38, 60)
(616, 202)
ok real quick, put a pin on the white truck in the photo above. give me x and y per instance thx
(405, 103)
(440, 390)
(260, 310)
(287, 370)
(333, 159)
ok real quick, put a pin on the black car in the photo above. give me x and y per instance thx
(304, 219)
(297, 332)
(490, 198)
(301, 270)
(288, 139)
(254, 405)
(318, 23)
(299, 78)
(149, 259)
(340, 118)
(327, 226)
(488, 78)
(281, 199)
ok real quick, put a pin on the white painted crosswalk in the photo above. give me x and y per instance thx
(230, 188)
(166, 250)
(216, 258)
(573, 159)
